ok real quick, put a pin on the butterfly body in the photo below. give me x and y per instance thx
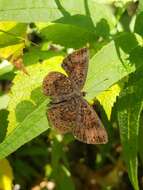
(69, 112)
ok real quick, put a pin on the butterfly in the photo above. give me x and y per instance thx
(69, 112)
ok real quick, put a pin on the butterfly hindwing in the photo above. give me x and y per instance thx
(89, 128)
(63, 115)
(76, 65)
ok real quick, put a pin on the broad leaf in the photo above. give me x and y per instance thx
(51, 10)
(12, 33)
(59, 34)
(27, 106)
(111, 63)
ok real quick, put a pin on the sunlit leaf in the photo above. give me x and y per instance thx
(51, 10)
(4, 99)
(27, 106)
(59, 34)
(5, 67)
(7, 51)
(6, 175)
(108, 98)
(11, 33)
(111, 63)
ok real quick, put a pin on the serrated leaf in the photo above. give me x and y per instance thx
(108, 98)
(129, 108)
(59, 34)
(11, 33)
(51, 10)
(6, 175)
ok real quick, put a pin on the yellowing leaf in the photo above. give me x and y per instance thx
(7, 51)
(7, 25)
(108, 98)
(6, 175)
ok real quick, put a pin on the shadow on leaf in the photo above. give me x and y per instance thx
(3, 124)
(25, 108)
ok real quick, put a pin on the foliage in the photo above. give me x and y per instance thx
(35, 36)
(6, 175)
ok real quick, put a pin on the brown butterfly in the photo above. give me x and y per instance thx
(69, 112)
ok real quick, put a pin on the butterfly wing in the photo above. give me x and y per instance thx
(63, 115)
(57, 86)
(89, 128)
(76, 65)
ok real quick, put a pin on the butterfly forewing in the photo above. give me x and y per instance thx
(58, 86)
(76, 65)
(89, 128)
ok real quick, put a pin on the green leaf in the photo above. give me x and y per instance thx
(51, 10)
(35, 54)
(138, 28)
(27, 106)
(140, 145)
(12, 33)
(129, 108)
(59, 34)
(140, 6)
(3, 124)
(111, 63)
(108, 98)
